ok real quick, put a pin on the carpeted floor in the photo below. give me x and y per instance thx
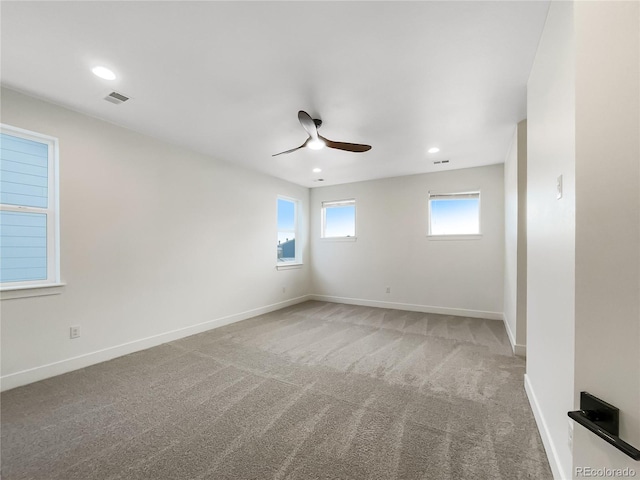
(314, 391)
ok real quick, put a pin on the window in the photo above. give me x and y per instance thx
(287, 230)
(454, 214)
(339, 219)
(28, 209)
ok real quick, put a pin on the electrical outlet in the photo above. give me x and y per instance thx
(74, 332)
(388, 289)
(570, 437)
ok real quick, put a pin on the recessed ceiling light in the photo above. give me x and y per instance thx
(103, 72)
(433, 150)
(317, 170)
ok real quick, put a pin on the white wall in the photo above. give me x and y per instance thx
(584, 250)
(515, 252)
(462, 277)
(551, 234)
(511, 237)
(154, 239)
(521, 308)
(608, 222)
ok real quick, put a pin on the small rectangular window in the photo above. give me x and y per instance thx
(454, 213)
(28, 208)
(339, 219)
(288, 252)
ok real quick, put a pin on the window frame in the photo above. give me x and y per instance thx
(296, 231)
(455, 236)
(52, 211)
(323, 218)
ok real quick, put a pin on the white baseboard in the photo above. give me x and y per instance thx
(518, 349)
(549, 446)
(31, 375)
(459, 312)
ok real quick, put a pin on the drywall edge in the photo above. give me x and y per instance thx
(547, 440)
(518, 349)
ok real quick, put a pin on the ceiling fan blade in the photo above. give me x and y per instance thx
(308, 124)
(292, 150)
(349, 147)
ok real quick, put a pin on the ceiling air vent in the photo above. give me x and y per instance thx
(117, 98)
(438, 162)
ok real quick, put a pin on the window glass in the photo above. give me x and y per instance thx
(24, 172)
(23, 246)
(287, 227)
(28, 216)
(454, 214)
(339, 219)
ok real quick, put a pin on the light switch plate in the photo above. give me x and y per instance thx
(559, 187)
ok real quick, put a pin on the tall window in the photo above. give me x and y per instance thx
(454, 213)
(28, 208)
(287, 230)
(339, 219)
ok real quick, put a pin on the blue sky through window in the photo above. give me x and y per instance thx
(455, 216)
(286, 236)
(286, 215)
(340, 221)
(286, 229)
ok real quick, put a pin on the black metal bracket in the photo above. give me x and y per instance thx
(603, 419)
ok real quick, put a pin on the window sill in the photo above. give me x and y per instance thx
(338, 239)
(455, 237)
(25, 291)
(288, 266)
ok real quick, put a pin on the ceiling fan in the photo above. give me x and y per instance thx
(317, 141)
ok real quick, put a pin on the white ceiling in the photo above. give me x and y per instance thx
(228, 78)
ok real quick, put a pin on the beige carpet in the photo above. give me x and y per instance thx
(314, 391)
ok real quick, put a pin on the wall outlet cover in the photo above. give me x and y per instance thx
(74, 332)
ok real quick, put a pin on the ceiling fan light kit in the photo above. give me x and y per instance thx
(316, 144)
(317, 141)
